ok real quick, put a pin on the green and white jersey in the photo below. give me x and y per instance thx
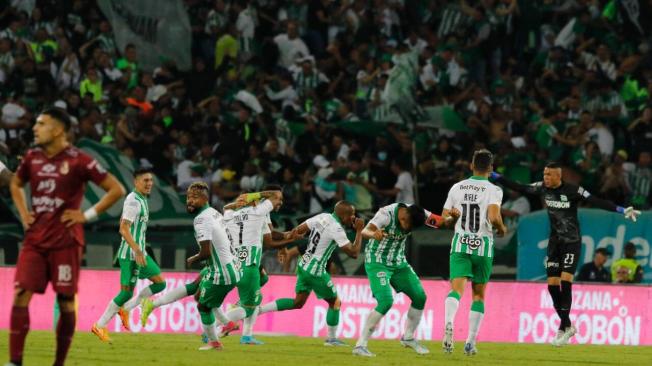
(246, 226)
(223, 267)
(326, 234)
(135, 210)
(473, 231)
(391, 250)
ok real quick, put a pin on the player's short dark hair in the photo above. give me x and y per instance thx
(273, 187)
(200, 186)
(553, 165)
(417, 216)
(482, 160)
(60, 115)
(142, 170)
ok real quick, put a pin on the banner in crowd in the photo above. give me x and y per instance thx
(599, 229)
(165, 206)
(159, 30)
(515, 312)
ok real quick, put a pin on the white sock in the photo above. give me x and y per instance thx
(110, 311)
(171, 296)
(220, 316)
(413, 319)
(368, 328)
(451, 305)
(475, 319)
(236, 314)
(134, 301)
(270, 306)
(248, 324)
(210, 331)
(332, 331)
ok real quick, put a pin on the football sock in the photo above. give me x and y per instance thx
(248, 324)
(19, 326)
(451, 304)
(110, 311)
(171, 296)
(475, 320)
(413, 319)
(368, 328)
(65, 331)
(565, 302)
(332, 320)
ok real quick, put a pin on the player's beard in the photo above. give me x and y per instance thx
(191, 208)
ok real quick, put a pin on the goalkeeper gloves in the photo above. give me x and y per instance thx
(629, 212)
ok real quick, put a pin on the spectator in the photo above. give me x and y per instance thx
(595, 271)
(403, 190)
(128, 65)
(290, 46)
(614, 184)
(626, 269)
(639, 177)
(514, 207)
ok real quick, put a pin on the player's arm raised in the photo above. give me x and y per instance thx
(447, 219)
(277, 239)
(372, 232)
(125, 232)
(629, 212)
(18, 195)
(353, 249)
(114, 190)
(533, 189)
(204, 252)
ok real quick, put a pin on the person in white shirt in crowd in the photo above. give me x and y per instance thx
(403, 190)
(290, 46)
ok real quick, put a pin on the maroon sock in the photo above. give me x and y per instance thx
(19, 327)
(65, 331)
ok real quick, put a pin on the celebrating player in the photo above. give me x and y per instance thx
(565, 243)
(246, 226)
(473, 244)
(52, 248)
(326, 234)
(134, 261)
(223, 270)
(387, 268)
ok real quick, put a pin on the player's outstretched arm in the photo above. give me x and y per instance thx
(448, 218)
(372, 232)
(353, 249)
(204, 253)
(534, 188)
(629, 212)
(18, 196)
(114, 190)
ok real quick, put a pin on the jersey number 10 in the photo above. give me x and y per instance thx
(471, 217)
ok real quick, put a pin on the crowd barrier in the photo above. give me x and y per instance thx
(514, 312)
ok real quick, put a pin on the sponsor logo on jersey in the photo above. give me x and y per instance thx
(557, 204)
(64, 168)
(48, 170)
(472, 187)
(563, 198)
(46, 186)
(473, 242)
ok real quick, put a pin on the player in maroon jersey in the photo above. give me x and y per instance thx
(57, 174)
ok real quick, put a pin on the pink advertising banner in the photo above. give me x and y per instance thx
(515, 311)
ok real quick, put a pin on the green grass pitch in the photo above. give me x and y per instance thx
(181, 349)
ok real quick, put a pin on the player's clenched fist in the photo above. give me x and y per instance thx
(358, 224)
(379, 234)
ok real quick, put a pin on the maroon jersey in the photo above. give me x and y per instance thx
(57, 184)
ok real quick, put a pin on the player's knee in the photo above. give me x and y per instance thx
(249, 310)
(157, 287)
(419, 300)
(202, 308)
(384, 304)
(66, 302)
(299, 302)
(335, 304)
(22, 297)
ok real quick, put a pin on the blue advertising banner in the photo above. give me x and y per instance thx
(599, 229)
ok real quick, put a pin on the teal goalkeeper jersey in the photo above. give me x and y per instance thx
(135, 210)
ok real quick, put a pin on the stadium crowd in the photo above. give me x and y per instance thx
(274, 82)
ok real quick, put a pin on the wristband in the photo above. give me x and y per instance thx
(90, 214)
(620, 209)
(252, 197)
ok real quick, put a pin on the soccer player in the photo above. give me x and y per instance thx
(387, 268)
(326, 234)
(223, 269)
(471, 255)
(54, 235)
(246, 226)
(134, 261)
(565, 242)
